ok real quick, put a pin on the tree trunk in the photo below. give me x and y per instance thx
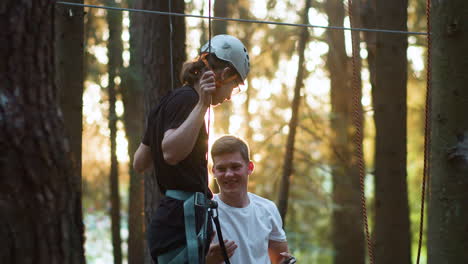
(448, 201)
(114, 19)
(221, 112)
(157, 73)
(289, 153)
(69, 34)
(392, 227)
(248, 116)
(368, 20)
(132, 97)
(40, 202)
(347, 235)
(243, 8)
(203, 36)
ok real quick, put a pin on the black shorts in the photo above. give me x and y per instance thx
(167, 228)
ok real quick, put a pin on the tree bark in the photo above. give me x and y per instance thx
(69, 35)
(157, 74)
(115, 49)
(132, 97)
(289, 153)
(40, 202)
(392, 227)
(347, 235)
(448, 197)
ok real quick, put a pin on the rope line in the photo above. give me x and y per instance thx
(246, 20)
(357, 120)
(208, 125)
(427, 126)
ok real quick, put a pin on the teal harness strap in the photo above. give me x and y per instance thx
(190, 252)
(176, 256)
(190, 232)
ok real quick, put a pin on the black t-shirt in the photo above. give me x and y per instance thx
(190, 174)
(166, 230)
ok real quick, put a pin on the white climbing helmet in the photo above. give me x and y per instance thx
(231, 49)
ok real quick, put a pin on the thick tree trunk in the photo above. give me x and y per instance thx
(222, 112)
(289, 153)
(392, 227)
(448, 200)
(40, 202)
(203, 26)
(347, 235)
(132, 97)
(157, 73)
(69, 34)
(114, 19)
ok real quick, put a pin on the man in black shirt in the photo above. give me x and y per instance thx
(175, 145)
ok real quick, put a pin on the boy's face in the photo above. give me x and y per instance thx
(232, 173)
(225, 86)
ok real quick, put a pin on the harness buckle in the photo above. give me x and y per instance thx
(202, 201)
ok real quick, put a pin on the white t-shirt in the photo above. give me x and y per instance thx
(250, 228)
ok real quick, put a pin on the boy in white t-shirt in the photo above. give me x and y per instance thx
(251, 225)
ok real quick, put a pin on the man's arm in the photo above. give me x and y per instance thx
(142, 158)
(275, 248)
(179, 142)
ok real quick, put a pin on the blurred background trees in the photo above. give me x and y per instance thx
(305, 153)
(323, 219)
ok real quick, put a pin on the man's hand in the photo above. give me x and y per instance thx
(287, 258)
(215, 255)
(206, 88)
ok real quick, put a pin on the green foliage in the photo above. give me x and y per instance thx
(274, 58)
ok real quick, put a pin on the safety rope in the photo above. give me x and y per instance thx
(207, 132)
(357, 120)
(427, 126)
(245, 20)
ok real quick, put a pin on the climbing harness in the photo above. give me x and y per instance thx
(190, 252)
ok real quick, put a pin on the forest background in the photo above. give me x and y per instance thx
(261, 115)
(316, 118)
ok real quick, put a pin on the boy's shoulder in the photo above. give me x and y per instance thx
(262, 202)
